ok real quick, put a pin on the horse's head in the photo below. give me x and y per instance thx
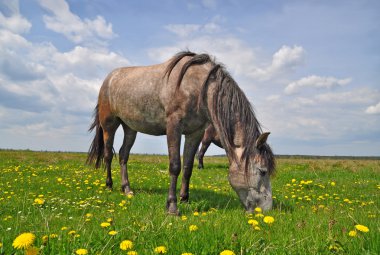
(251, 180)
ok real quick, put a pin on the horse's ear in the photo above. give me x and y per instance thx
(262, 139)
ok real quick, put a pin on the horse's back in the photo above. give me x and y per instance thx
(143, 98)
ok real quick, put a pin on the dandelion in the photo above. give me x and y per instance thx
(253, 222)
(183, 217)
(227, 252)
(268, 220)
(160, 250)
(257, 228)
(193, 228)
(112, 232)
(32, 251)
(1, 245)
(45, 239)
(81, 251)
(39, 201)
(72, 233)
(130, 195)
(187, 253)
(258, 210)
(352, 233)
(105, 224)
(132, 253)
(24, 241)
(259, 215)
(362, 228)
(126, 245)
(332, 183)
(196, 213)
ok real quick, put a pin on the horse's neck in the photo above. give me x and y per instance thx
(238, 141)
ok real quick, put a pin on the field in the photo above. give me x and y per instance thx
(321, 206)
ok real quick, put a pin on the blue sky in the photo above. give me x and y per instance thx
(310, 68)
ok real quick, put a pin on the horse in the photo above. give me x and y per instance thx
(210, 136)
(183, 96)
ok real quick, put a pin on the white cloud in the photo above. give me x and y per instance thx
(284, 60)
(14, 22)
(73, 27)
(314, 81)
(374, 109)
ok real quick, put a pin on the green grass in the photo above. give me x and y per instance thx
(312, 215)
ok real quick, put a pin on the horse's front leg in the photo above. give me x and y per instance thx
(191, 144)
(173, 134)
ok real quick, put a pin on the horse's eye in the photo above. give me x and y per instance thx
(263, 171)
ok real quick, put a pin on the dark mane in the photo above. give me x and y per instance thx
(229, 107)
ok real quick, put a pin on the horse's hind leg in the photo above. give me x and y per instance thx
(202, 151)
(129, 139)
(109, 125)
(191, 144)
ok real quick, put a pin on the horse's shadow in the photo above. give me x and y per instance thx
(200, 199)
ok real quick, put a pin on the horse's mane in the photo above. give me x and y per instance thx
(230, 106)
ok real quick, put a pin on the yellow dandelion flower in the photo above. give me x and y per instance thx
(253, 222)
(1, 245)
(196, 213)
(32, 251)
(193, 228)
(64, 228)
(72, 233)
(259, 215)
(105, 224)
(258, 210)
(332, 183)
(227, 252)
(362, 228)
(39, 201)
(352, 233)
(112, 232)
(132, 253)
(81, 251)
(88, 215)
(268, 219)
(24, 241)
(110, 220)
(183, 217)
(45, 238)
(257, 228)
(160, 250)
(130, 195)
(187, 253)
(126, 245)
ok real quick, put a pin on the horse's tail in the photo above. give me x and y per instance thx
(96, 151)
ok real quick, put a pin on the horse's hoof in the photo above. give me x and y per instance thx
(174, 213)
(172, 209)
(184, 200)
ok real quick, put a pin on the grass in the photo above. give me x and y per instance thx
(317, 203)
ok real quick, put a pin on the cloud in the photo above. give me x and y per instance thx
(14, 22)
(75, 29)
(314, 81)
(374, 109)
(37, 77)
(286, 59)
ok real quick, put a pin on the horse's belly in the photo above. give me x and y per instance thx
(146, 127)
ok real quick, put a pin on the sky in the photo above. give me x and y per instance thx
(311, 69)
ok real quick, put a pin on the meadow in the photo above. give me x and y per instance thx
(321, 206)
